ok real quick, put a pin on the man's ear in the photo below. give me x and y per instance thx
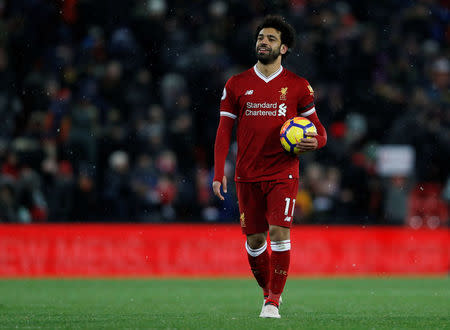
(283, 49)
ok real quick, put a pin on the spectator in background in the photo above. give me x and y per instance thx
(166, 188)
(30, 196)
(86, 205)
(151, 130)
(83, 134)
(8, 207)
(10, 104)
(10, 167)
(439, 87)
(58, 189)
(144, 179)
(117, 193)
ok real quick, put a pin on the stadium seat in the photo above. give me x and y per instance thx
(426, 207)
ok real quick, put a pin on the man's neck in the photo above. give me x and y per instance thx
(268, 69)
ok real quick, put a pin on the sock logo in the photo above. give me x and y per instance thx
(280, 272)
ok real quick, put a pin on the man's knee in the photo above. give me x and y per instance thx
(278, 233)
(255, 241)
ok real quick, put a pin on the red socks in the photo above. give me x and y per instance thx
(260, 266)
(270, 272)
(279, 267)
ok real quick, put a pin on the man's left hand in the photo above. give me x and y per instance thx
(309, 143)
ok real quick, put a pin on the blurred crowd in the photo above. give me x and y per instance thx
(109, 109)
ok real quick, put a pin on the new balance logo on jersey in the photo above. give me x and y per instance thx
(282, 109)
(249, 92)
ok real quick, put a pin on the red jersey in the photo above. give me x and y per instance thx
(261, 105)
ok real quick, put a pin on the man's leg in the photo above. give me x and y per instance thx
(280, 244)
(255, 227)
(280, 199)
(258, 258)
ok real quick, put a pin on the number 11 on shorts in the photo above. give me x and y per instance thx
(286, 209)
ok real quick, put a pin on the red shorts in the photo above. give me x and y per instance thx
(266, 203)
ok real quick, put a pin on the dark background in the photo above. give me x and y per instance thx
(109, 109)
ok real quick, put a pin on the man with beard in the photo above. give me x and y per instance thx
(262, 99)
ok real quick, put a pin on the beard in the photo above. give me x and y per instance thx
(269, 57)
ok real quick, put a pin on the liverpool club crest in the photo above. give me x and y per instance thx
(283, 92)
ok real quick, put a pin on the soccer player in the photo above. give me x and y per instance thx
(260, 100)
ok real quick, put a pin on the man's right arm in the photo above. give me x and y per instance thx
(228, 114)
(221, 147)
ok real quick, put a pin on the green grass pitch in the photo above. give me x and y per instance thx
(323, 303)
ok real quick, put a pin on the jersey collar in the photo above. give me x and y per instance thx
(269, 78)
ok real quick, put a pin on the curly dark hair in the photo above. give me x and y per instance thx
(279, 23)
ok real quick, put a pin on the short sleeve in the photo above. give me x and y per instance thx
(306, 105)
(228, 106)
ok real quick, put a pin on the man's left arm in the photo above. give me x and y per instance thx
(307, 109)
(321, 137)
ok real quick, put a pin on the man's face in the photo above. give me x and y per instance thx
(268, 45)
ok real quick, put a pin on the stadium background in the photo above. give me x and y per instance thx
(109, 111)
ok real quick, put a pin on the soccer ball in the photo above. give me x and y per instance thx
(293, 131)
